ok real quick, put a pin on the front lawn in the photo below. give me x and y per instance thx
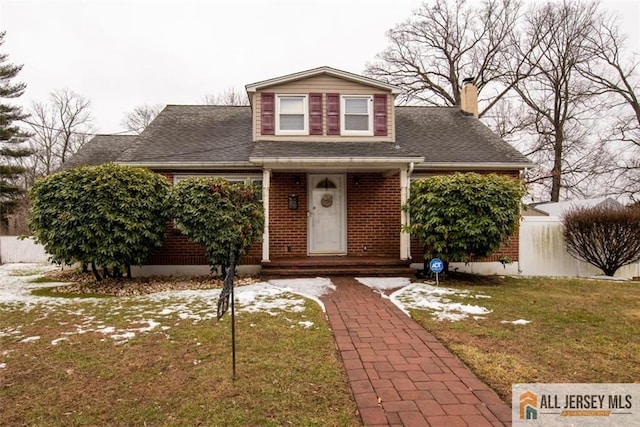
(164, 359)
(580, 330)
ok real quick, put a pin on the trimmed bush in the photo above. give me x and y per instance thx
(227, 219)
(607, 237)
(464, 215)
(110, 216)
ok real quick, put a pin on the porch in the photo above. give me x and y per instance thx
(313, 266)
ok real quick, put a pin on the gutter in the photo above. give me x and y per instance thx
(190, 166)
(469, 165)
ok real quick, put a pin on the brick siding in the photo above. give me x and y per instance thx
(373, 222)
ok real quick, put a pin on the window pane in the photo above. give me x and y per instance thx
(356, 122)
(291, 105)
(356, 106)
(291, 122)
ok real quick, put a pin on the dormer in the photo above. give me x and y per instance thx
(322, 104)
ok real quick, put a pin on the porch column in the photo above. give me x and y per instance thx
(266, 184)
(404, 216)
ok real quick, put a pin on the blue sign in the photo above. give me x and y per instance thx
(436, 265)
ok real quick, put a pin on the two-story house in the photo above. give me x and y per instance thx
(334, 157)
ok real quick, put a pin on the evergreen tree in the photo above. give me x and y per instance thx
(11, 136)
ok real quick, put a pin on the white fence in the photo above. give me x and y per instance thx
(542, 253)
(12, 249)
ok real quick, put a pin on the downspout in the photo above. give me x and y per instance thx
(409, 173)
(266, 185)
(405, 240)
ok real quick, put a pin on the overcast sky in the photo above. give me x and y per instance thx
(121, 54)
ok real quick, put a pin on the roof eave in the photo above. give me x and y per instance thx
(190, 165)
(334, 160)
(474, 165)
(253, 87)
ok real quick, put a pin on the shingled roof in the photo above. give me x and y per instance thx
(208, 136)
(195, 134)
(101, 149)
(447, 136)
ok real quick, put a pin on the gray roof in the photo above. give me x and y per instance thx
(205, 134)
(196, 134)
(101, 149)
(447, 135)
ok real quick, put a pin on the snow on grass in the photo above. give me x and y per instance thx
(151, 312)
(517, 322)
(426, 297)
(312, 289)
(423, 296)
(381, 284)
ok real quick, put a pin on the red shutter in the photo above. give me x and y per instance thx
(333, 114)
(315, 114)
(268, 109)
(380, 115)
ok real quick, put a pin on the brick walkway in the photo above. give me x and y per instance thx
(399, 373)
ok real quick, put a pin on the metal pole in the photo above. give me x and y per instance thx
(233, 334)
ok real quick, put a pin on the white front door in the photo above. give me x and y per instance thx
(327, 213)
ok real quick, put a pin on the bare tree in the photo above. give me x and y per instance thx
(230, 96)
(447, 41)
(615, 75)
(563, 111)
(60, 127)
(137, 120)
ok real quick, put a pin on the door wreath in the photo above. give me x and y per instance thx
(327, 200)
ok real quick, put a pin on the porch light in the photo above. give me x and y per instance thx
(356, 180)
(296, 179)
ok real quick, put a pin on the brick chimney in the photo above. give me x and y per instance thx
(469, 97)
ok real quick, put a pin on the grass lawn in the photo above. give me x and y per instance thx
(581, 331)
(63, 365)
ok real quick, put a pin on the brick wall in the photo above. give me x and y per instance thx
(288, 228)
(373, 221)
(373, 214)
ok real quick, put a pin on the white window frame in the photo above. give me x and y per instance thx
(343, 113)
(305, 112)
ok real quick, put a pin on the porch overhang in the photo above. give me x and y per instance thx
(334, 163)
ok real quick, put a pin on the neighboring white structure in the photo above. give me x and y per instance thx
(543, 251)
(12, 249)
(559, 208)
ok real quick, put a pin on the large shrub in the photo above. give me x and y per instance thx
(463, 215)
(225, 218)
(607, 237)
(110, 216)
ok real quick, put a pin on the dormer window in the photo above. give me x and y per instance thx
(292, 115)
(357, 116)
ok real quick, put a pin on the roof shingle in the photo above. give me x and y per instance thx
(101, 149)
(206, 134)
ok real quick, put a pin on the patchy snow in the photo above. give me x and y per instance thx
(3, 365)
(517, 322)
(308, 288)
(434, 298)
(159, 311)
(384, 283)
(154, 311)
